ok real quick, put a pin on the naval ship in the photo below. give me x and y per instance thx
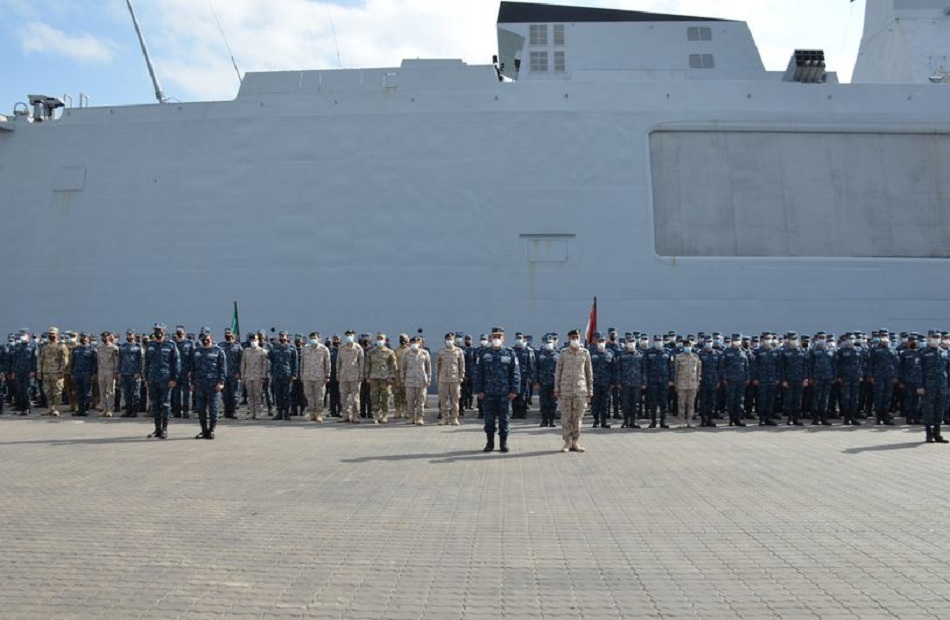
(649, 160)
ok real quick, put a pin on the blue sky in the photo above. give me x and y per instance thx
(72, 46)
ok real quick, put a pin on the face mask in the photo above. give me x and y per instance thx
(458, 342)
(549, 346)
(933, 342)
(687, 349)
(255, 344)
(631, 346)
(380, 343)
(735, 345)
(793, 344)
(449, 343)
(349, 340)
(496, 342)
(657, 345)
(519, 343)
(575, 344)
(414, 346)
(601, 346)
(484, 343)
(314, 341)
(644, 344)
(707, 345)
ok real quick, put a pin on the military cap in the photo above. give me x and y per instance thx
(83, 335)
(553, 335)
(159, 326)
(24, 330)
(482, 336)
(933, 333)
(190, 336)
(831, 336)
(644, 336)
(691, 338)
(53, 330)
(384, 336)
(598, 336)
(180, 328)
(336, 337)
(791, 335)
(415, 339)
(550, 337)
(468, 336)
(450, 335)
(573, 332)
(104, 334)
(365, 336)
(737, 336)
(282, 334)
(519, 335)
(821, 335)
(628, 336)
(657, 337)
(129, 330)
(227, 330)
(298, 337)
(498, 330)
(204, 330)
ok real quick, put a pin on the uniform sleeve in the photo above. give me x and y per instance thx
(428, 368)
(515, 375)
(293, 362)
(222, 366)
(558, 370)
(95, 362)
(589, 373)
(461, 363)
(176, 364)
(72, 362)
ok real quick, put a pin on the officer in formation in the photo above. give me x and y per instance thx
(631, 375)
(497, 383)
(416, 373)
(209, 371)
(449, 372)
(658, 363)
(687, 375)
(399, 388)
(162, 372)
(793, 369)
(545, 369)
(766, 376)
(884, 377)
(526, 360)
(850, 365)
(734, 365)
(380, 373)
(83, 367)
(233, 351)
(131, 361)
(108, 353)
(822, 371)
(574, 389)
(255, 370)
(934, 368)
(21, 370)
(710, 382)
(349, 372)
(283, 368)
(468, 393)
(315, 374)
(53, 364)
(605, 378)
(181, 394)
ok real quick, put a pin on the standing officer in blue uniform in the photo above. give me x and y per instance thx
(467, 392)
(209, 371)
(793, 370)
(614, 346)
(162, 371)
(911, 380)
(83, 367)
(131, 355)
(632, 378)
(884, 374)
(526, 360)
(935, 369)
(181, 394)
(604, 366)
(283, 367)
(709, 382)
(4, 369)
(545, 367)
(497, 381)
(850, 364)
(821, 375)
(233, 351)
(735, 375)
(765, 377)
(658, 364)
(23, 364)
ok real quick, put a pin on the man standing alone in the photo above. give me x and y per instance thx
(574, 388)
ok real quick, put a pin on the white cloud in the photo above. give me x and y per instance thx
(40, 38)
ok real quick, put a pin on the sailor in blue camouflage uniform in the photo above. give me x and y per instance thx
(283, 367)
(884, 375)
(468, 393)
(766, 377)
(131, 358)
(911, 379)
(935, 370)
(233, 352)
(4, 369)
(497, 381)
(616, 347)
(209, 371)
(23, 366)
(710, 381)
(734, 364)
(822, 372)
(162, 371)
(181, 395)
(526, 361)
(658, 366)
(850, 366)
(631, 375)
(545, 367)
(83, 368)
(793, 369)
(604, 366)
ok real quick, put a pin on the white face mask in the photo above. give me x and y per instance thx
(549, 346)
(496, 343)
(657, 345)
(414, 346)
(380, 343)
(255, 344)
(631, 346)
(314, 341)
(687, 349)
(575, 344)
(449, 343)
(519, 343)
(349, 340)
(601, 346)
(484, 343)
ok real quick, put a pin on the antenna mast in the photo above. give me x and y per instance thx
(148, 61)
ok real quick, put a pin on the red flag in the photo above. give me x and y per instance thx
(591, 323)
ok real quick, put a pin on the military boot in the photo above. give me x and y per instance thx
(938, 438)
(204, 430)
(930, 434)
(504, 443)
(567, 444)
(490, 442)
(576, 447)
(211, 429)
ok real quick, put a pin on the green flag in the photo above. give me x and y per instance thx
(236, 324)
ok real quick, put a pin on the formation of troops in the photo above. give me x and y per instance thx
(359, 377)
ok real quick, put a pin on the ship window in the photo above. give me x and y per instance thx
(559, 34)
(538, 34)
(560, 65)
(702, 61)
(539, 62)
(699, 33)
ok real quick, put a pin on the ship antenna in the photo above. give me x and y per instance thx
(336, 42)
(226, 44)
(148, 61)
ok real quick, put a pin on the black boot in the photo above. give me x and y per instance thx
(204, 430)
(490, 443)
(210, 434)
(930, 434)
(938, 438)
(504, 443)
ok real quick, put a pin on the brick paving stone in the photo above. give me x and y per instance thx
(295, 520)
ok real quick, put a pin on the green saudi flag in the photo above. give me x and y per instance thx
(236, 324)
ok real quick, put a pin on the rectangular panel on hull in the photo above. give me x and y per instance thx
(809, 194)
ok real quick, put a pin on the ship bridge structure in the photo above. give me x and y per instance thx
(650, 160)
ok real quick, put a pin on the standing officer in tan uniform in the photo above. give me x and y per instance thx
(687, 374)
(53, 364)
(108, 352)
(255, 369)
(449, 372)
(574, 389)
(416, 376)
(349, 372)
(380, 372)
(399, 389)
(315, 374)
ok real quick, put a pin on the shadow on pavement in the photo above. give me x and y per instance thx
(885, 447)
(451, 457)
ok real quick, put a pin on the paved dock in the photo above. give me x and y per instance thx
(295, 520)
